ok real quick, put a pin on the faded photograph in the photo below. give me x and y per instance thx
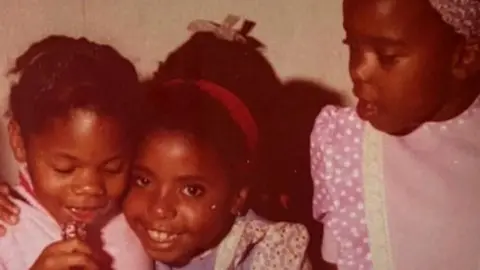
(224, 135)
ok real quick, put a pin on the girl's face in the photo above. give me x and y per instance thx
(78, 164)
(401, 61)
(181, 202)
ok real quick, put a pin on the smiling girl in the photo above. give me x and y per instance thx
(72, 120)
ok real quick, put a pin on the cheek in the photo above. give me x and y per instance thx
(203, 218)
(135, 203)
(116, 185)
(47, 182)
(402, 87)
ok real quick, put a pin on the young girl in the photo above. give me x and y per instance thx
(72, 127)
(191, 180)
(198, 163)
(245, 71)
(396, 181)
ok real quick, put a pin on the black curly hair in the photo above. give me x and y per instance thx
(58, 74)
(244, 71)
(241, 68)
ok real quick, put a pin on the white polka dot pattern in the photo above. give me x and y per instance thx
(336, 152)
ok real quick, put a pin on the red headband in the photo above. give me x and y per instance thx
(238, 110)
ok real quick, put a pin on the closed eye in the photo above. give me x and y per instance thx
(64, 170)
(387, 60)
(114, 167)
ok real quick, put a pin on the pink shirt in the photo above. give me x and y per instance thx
(24, 242)
(404, 203)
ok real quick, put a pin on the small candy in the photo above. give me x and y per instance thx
(74, 229)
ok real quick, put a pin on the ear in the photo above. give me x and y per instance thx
(238, 206)
(16, 141)
(467, 60)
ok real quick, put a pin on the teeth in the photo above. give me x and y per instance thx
(160, 236)
(74, 209)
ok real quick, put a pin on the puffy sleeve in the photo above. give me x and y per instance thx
(284, 246)
(320, 140)
(324, 138)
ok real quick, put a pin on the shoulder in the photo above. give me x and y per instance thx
(284, 244)
(335, 155)
(335, 125)
(123, 245)
(10, 243)
(32, 223)
(280, 230)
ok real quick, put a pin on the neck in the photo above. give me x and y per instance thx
(459, 100)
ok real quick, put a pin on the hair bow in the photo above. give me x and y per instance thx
(225, 30)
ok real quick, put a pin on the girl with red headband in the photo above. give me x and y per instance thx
(198, 163)
(190, 183)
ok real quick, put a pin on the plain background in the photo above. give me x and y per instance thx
(302, 37)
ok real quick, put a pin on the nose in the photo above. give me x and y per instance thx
(362, 71)
(162, 206)
(89, 183)
(361, 66)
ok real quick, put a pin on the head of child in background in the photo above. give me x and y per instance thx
(196, 164)
(243, 69)
(412, 61)
(73, 110)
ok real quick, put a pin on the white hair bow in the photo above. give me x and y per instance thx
(224, 31)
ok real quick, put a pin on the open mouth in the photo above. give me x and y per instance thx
(366, 110)
(86, 214)
(161, 239)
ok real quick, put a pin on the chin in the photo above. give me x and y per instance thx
(385, 125)
(172, 259)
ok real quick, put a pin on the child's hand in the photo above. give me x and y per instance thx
(68, 254)
(8, 210)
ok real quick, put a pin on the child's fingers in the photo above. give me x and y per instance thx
(70, 261)
(3, 230)
(7, 215)
(69, 246)
(9, 205)
(4, 189)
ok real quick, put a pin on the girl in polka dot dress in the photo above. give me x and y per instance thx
(397, 180)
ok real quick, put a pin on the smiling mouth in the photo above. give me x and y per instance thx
(160, 236)
(86, 214)
(160, 239)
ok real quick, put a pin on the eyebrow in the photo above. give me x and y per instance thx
(373, 39)
(142, 169)
(181, 178)
(378, 41)
(192, 178)
(385, 41)
(65, 155)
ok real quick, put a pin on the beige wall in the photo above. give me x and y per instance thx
(303, 37)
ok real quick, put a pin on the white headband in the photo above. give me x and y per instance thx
(462, 15)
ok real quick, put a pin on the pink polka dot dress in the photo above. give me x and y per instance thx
(405, 203)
